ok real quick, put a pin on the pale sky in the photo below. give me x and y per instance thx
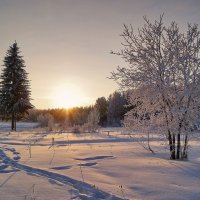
(66, 44)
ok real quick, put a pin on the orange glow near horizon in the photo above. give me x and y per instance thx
(68, 96)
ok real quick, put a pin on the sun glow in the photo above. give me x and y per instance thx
(67, 96)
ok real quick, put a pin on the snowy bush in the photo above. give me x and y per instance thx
(76, 129)
(46, 120)
(93, 120)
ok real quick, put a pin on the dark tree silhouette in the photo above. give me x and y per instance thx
(102, 107)
(116, 108)
(14, 87)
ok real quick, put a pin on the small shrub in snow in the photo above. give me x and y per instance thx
(51, 123)
(46, 120)
(76, 129)
(93, 120)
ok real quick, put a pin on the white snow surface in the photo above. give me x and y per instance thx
(35, 164)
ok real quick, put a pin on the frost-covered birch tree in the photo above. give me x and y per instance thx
(163, 76)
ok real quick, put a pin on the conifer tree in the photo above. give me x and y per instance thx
(14, 87)
(102, 107)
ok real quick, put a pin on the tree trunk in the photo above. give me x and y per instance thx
(13, 121)
(15, 124)
(178, 148)
(171, 145)
(184, 155)
(149, 147)
(173, 153)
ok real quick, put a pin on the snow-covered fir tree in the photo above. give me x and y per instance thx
(14, 87)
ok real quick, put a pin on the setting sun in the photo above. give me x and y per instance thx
(67, 96)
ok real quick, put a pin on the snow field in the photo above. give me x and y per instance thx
(111, 164)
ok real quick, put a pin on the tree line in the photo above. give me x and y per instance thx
(110, 111)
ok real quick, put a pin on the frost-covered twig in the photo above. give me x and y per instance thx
(81, 172)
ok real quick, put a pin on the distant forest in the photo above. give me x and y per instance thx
(111, 112)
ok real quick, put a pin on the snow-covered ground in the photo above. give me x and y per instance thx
(92, 166)
(5, 126)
